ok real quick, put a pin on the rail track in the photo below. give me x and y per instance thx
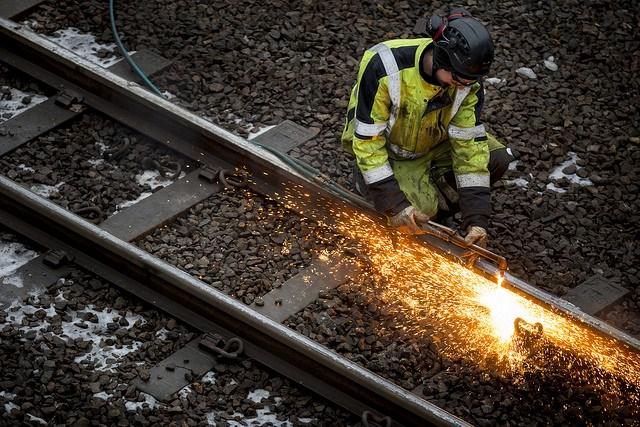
(222, 159)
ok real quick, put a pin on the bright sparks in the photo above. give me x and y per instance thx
(504, 308)
(473, 317)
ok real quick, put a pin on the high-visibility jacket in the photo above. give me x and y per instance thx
(398, 112)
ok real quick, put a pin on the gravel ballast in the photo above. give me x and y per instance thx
(246, 64)
(240, 243)
(81, 342)
(566, 210)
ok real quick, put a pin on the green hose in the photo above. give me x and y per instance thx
(126, 55)
(312, 174)
(304, 169)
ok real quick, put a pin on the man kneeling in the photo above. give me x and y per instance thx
(413, 126)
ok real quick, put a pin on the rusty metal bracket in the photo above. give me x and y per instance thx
(209, 174)
(369, 419)
(528, 336)
(226, 177)
(117, 152)
(232, 179)
(68, 98)
(56, 258)
(215, 344)
(87, 211)
(522, 327)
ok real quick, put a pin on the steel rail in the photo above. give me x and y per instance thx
(287, 352)
(203, 141)
(328, 374)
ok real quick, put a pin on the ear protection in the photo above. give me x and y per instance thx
(437, 25)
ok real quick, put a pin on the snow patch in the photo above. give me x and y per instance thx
(552, 187)
(211, 418)
(263, 417)
(95, 162)
(149, 401)
(23, 167)
(14, 279)
(102, 147)
(518, 182)
(17, 312)
(104, 357)
(153, 179)
(10, 406)
(7, 396)
(85, 45)
(168, 95)
(13, 255)
(103, 395)
(209, 378)
(185, 392)
(162, 334)
(46, 191)
(257, 395)
(128, 203)
(557, 173)
(11, 103)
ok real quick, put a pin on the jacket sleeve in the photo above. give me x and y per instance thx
(371, 117)
(470, 158)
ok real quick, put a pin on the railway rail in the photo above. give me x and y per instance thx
(219, 154)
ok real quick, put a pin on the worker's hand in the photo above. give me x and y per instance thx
(476, 236)
(420, 217)
(405, 221)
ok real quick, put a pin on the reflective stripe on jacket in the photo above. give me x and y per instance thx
(394, 112)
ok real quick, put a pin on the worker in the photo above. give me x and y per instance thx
(413, 125)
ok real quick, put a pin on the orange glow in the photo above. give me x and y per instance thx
(504, 308)
(499, 279)
(471, 316)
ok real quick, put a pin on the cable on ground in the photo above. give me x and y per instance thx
(126, 55)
